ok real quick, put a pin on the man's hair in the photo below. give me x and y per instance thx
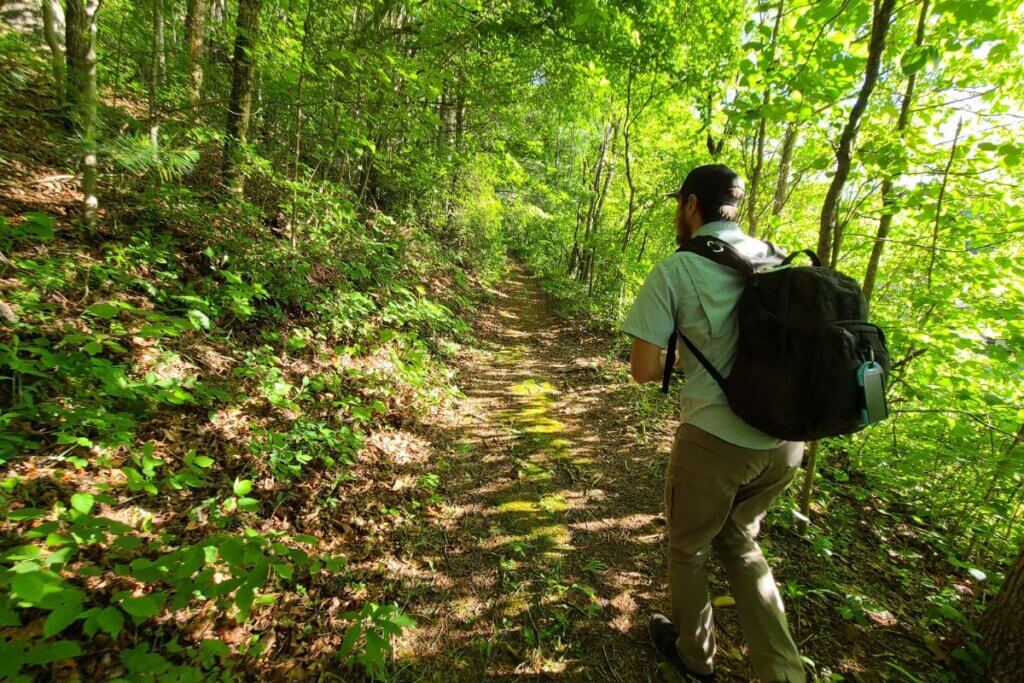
(719, 191)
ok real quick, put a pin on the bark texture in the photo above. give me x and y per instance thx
(83, 94)
(76, 43)
(54, 33)
(1002, 629)
(243, 68)
(195, 41)
(785, 163)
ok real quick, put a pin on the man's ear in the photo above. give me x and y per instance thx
(691, 204)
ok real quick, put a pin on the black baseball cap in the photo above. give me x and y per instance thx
(715, 185)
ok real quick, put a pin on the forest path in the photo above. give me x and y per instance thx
(552, 557)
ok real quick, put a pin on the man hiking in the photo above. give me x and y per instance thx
(722, 473)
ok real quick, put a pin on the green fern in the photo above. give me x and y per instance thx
(137, 155)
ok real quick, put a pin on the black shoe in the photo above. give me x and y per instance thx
(663, 635)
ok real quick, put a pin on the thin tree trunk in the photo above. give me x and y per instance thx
(888, 208)
(785, 163)
(83, 94)
(298, 121)
(460, 119)
(195, 40)
(1002, 626)
(90, 173)
(827, 238)
(119, 62)
(631, 203)
(643, 247)
(155, 77)
(240, 105)
(54, 31)
(762, 131)
(596, 199)
(161, 43)
(76, 42)
(807, 488)
(942, 196)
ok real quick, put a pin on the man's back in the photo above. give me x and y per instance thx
(701, 297)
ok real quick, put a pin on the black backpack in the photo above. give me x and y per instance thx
(803, 333)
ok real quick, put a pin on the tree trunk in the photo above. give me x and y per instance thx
(596, 202)
(827, 237)
(942, 196)
(1002, 628)
(76, 42)
(762, 131)
(631, 203)
(785, 163)
(807, 488)
(298, 125)
(54, 31)
(160, 47)
(195, 41)
(155, 78)
(888, 208)
(240, 104)
(82, 93)
(460, 119)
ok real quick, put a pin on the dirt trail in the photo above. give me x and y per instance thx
(552, 557)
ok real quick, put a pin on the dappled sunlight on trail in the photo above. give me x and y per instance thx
(551, 552)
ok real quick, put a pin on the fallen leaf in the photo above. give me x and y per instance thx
(7, 313)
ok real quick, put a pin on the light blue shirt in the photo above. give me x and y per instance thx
(699, 298)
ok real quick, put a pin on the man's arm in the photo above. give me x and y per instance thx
(650, 322)
(646, 361)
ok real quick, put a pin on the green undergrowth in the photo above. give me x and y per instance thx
(172, 390)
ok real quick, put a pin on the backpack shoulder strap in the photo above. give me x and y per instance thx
(723, 254)
(670, 361)
(720, 252)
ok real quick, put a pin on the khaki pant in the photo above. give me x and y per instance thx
(716, 494)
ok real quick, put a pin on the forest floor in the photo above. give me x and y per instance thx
(551, 558)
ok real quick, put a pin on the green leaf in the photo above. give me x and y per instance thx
(243, 600)
(111, 620)
(230, 550)
(215, 647)
(143, 607)
(203, 461)
(352, 634)
(51, 652)
(8, 616)
(242, 486)
(22, 514)
(199, 319)
(284, 570)
(103, 310)
(82, 502)
(61, 618)
(39, 225)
